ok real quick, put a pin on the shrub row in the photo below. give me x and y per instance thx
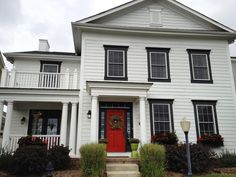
(32, 157)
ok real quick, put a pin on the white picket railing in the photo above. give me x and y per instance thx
(51, 140)
(23, 79)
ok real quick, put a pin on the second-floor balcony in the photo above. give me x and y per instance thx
(42, 80)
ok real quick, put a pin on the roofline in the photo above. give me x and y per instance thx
(109, 11)
(234, 58)
(134, 2)
(80, 27)
(11, 56)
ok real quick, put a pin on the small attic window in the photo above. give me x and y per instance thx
(155, 17)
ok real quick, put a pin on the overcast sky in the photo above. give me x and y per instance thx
(23, 22)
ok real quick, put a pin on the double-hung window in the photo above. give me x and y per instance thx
(158, 64)
(161, 116)
(205, 117)
(200, 67)
(115, 62)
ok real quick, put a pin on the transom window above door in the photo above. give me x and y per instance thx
(200, 67)
(161, 116)
(158, 64)
(115, 62)
(50, 67)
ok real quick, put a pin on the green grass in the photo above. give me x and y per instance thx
(217, 175)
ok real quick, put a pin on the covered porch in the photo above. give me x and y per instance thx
(121, 103)
(50, 115)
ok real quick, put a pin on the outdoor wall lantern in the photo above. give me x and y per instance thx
(23, 120)
(89, 114)
(185, 125)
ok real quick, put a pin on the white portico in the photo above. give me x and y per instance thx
(110, 90)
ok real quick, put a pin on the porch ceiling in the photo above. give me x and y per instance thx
(118, 88)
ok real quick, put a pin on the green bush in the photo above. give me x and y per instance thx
(30, 159)
(5, 160)
(227, 159)
(59, 156)
(93, 158)
(201, 158)
(152, 160)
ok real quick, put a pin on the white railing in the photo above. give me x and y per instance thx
(51, 140)
(23, 79)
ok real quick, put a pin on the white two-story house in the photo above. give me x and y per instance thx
(137, 70)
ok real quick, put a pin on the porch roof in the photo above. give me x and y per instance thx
(118, 88)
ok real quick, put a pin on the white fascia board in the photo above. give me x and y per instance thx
(11, 56)
(110, 11)
(200, 15)
(122, 88)
(162, 31)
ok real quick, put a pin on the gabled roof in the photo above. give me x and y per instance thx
(174, 2)
(48, 53)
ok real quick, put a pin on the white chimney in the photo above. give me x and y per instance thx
(44, 45)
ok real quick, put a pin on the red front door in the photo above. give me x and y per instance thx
(115, 130)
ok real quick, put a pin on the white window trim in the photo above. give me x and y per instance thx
(208, 69)
(153, 122)
(213, 113)
(50, 65)
(150, 58)
(123, 63)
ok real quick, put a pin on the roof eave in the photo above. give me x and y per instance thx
(13, 55)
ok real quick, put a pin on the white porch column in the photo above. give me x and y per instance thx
(6, 131)
(73, 129)
(143, 131)
(64, 123)
(94, 118)
(1, 112)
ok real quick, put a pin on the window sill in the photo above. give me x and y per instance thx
(116, 78)
(202, 81)
(159, 80)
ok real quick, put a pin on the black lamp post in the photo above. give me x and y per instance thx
(185, 125)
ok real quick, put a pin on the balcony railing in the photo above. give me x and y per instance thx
(23, 79)
(52, 140)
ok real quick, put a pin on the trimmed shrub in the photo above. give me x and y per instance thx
(29, 160)
(165, 138)
(227, 159)
(93, 158)
(152, 160)
(201, 158)
(5, 160)
(59, 156)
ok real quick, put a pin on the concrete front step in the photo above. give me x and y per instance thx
(122, 160)
(123, 174)
(122, 167)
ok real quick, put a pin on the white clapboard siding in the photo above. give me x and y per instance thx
(140, 17)
(180, 88)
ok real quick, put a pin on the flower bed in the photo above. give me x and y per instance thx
(213, 140)
(165, 138)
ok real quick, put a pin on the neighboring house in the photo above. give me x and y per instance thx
(233, 62)
(143, 66)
